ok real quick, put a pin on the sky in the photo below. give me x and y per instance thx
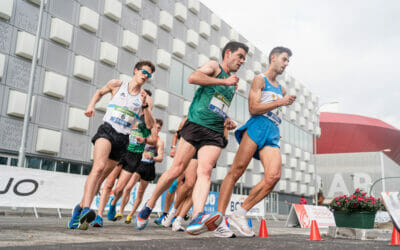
(344, 51)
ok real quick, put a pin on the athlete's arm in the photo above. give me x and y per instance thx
(111, 86)
(160, 151)
(205, 76)
(175, 139)
(148, 114)
(257, 108)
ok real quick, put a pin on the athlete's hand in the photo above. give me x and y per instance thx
(232, 80)
(144, 97)
(89, 112)
(229, 124)
(172, 152)
(140, 139)
(146, 155)
(287, 100)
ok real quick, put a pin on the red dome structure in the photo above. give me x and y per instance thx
(346, 133)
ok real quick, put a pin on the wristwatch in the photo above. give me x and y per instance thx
(145, 106)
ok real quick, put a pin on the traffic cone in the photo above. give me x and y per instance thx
(250, 223)
(314, 235)
(395, 238)
(263, 230)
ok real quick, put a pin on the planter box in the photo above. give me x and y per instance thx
(354, 219)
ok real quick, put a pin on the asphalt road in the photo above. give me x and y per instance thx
(51, 233)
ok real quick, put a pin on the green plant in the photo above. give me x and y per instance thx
(358, 201)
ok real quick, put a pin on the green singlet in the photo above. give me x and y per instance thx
(139, 129)
(210, 105)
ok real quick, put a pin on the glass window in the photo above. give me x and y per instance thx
(62, 166)
(188, 89)
(75, 168)
(292, 134)
(48, 165)
(32, 162)
(175, 80)
(86, 169)
(14, 162)
(3, 160)
(240, 108)
(246, 110)
(232, 108)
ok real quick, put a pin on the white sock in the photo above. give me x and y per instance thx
(241, 211)
(173, 211)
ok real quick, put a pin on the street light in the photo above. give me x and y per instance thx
(382, 167)
(316, 110)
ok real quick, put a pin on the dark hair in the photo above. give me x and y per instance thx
(233, 46)
(278, 51)
(139, 65)
(159, 121)
(148, 92)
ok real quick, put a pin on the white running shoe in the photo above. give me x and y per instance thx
(223, 231)
(177, 225)
(241, 224)
(167, 220)
(391, 200)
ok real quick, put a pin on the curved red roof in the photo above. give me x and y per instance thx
(346, 133)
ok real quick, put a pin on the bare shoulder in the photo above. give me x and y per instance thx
(114, 83)
(258, 82)
(210, 68)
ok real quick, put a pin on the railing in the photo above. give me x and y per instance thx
(381, 179)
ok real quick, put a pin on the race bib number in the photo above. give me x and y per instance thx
(151, 154)
(132, 136)
(122, 116)
(219, 104)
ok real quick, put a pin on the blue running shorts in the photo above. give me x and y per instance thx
(262, 131)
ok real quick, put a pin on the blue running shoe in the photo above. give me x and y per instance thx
(158, 220)
(98, 222)
(172, 221)
(142, 219)
(74, 222)
(112, 211)
(204, 222)
(87, 216)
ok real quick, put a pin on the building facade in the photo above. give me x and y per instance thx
(85, 43)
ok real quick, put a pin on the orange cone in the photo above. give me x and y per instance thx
(314, 235)
(263, 230)
(395, 238)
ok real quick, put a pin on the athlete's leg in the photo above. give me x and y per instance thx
(110, 166)
(186, 205)
(243, 156)
(119, 188)
(185, 189)
(127, 191)
(102, 149)
(271, 160)
(183, 155)
(207, 157)
(139, 196)
(105, 194)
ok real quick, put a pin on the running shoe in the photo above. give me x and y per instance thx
(87, 216)
(172, 221)
(128, 219)
(204, 222)
(159, 220)
(186, 217)
(391, 200)
(74, 221)
(98, 222)
(142, 219)
(118, 216)
(223, 230)
(241, 224)
(112, 211)
(167, 221)
(177, 225)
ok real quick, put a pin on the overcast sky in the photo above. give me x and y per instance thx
(343, 50)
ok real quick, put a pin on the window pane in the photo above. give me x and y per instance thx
(240, 108)
(175, 77)
(3, 160)
(246, 110)
(48, 165)
(62, 166)
(188, 89)
(14, 162)
(75, 168)
(32, 162)
(232, 108)
(86, 170)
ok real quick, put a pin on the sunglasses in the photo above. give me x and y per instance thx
(145, 72)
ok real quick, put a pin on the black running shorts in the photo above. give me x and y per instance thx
(146, 171)
(119, 142)
(131, 161)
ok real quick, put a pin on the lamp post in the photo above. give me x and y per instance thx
(316, 110)
(383, 168)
